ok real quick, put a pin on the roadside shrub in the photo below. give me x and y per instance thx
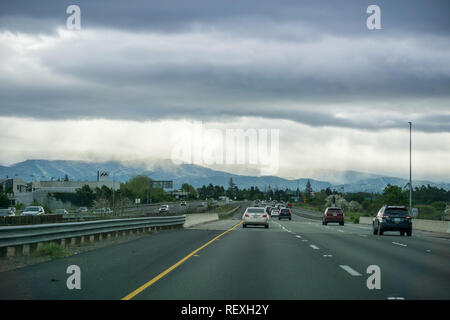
(52, 250)
(354, 206)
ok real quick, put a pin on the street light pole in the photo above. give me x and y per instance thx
(113, 202)
(410, 167)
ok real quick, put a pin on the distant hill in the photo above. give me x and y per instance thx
(351, 181)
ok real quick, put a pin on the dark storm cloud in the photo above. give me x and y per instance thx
(314, 62)
(174, 15)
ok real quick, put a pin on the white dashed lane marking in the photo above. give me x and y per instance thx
(350, 270)
(399, 244)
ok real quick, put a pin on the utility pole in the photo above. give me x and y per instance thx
(410, 167)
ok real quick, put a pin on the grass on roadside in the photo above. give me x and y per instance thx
(223, 214)
(223, 209)
(52, 250)
(308, 207)
(352, 217)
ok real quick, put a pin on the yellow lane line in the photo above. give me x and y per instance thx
(162, 274)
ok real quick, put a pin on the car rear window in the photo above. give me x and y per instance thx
(285, 211)
(397, 211)
(256, 210)
(334, 210)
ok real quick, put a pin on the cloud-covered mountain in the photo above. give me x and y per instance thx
(350, 181)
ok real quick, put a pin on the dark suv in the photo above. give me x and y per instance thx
(285, 214)
(392, 218)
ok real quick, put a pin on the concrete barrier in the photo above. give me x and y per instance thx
(419, 224)
(365, 220)
(431, 225)
(194, 219)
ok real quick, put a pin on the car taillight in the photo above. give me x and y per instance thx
(384, 216)
(408, 217)
(264, 215)
(246, 215)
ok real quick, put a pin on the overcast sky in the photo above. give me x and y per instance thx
(139, 72)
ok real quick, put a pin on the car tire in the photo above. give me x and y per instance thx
(289, 219)
(244, 226)
(266, 226)
(325, 223)
(375, 231)
(409, 233)
(341, 223)
(402, 233)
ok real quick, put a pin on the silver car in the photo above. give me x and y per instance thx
(6, 212)
(255, 216)
(33, 211)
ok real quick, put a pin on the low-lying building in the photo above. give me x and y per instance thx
(13, 186)
(72, 186)
(40, 191)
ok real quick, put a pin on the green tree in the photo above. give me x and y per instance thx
(232, 189)
(137, 188)
(192, 193)
(4, 201)
(308, 191)
(395, 196)
(84, 196)
(158, 195)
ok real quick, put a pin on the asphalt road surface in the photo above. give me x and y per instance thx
(297, 259)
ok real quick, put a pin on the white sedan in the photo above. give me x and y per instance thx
(255, 216)
(275, 212)
(164, 208)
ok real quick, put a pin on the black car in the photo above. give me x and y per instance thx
(284, 214)
(393, 218)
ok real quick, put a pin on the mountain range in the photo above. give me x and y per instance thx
(349, 181)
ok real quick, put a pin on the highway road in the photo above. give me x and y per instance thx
(297, 259)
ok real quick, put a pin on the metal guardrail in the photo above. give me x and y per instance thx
(20, 235)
